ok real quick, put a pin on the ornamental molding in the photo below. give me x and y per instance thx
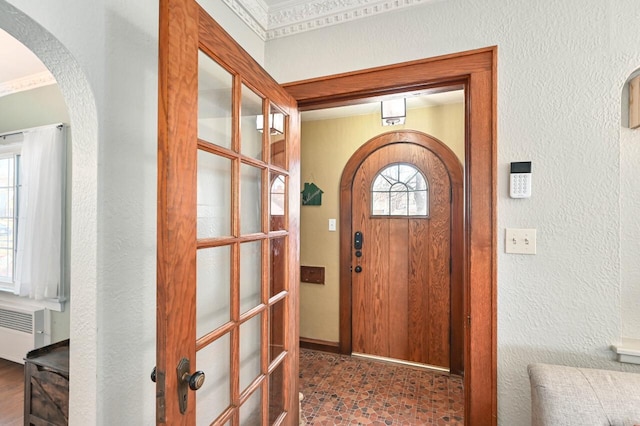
(253, 13)
(296, 16)
(29, 82)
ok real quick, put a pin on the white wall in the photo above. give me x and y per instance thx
(561, 68)
(104, 54)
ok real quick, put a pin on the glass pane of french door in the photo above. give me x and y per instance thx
(242, 238)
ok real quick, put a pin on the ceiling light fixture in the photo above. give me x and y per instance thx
(394, 112)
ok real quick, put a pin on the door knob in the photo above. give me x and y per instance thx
(195, 380)
(153, 375)
(358, 269)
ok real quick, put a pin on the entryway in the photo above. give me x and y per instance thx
(404, 191)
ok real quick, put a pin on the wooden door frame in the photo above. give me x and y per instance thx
(476, 71)
(456, 176)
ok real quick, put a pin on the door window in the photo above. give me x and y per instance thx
(400, 189)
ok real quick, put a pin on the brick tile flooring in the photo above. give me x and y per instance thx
(341, 390)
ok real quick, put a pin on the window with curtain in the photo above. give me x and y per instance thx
(32, 202)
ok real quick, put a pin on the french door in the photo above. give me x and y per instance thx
(228, 211)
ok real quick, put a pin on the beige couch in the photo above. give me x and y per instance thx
(565, 396)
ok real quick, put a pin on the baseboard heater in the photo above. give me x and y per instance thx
(21, 329)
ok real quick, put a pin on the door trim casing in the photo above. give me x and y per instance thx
(476, 71)
(456, 175)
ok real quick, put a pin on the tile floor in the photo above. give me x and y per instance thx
(341, 390)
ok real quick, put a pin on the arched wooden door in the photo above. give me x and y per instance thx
(405, 250)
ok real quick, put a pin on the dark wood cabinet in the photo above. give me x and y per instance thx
(46, 385)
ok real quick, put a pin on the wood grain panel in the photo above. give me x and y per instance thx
(439, 280)
(376, 81)
(177, 157)
(398, 289)
(419, 306)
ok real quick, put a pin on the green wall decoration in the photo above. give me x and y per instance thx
(311, 195)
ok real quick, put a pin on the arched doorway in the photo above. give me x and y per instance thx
(83, 188)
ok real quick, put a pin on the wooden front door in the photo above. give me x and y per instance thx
(402, 225)
(227, 301)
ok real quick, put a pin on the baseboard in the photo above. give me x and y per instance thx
(319, 345)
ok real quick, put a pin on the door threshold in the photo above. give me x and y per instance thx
(400, 361)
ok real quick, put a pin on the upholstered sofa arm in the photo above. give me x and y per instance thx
(564, 396)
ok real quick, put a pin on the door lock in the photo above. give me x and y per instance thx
(187, 381)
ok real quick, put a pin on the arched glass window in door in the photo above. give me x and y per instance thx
(400, 189)
(277, 196)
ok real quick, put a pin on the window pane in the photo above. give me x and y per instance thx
(7, 219)
(380, 201)
(277, 203)
(215, 394)
(250, 338)
(277, 276)
(276, 393)
(251, 121)
(215, 86)
(400, 190)
(276, 329)
(277, 137)
(250, 199)
(213, 289)
(381, 183)
(214, 195)
(250, 275)
(251, 410)
(6, 264)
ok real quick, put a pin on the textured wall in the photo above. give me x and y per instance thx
(327, 145)
(561, 68)
(104, 55)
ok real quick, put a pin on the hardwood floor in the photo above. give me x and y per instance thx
(11, 393)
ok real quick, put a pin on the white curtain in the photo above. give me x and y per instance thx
(38, 259)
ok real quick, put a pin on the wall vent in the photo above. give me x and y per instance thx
(19, 321)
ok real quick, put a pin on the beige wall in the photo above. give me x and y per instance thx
(327, 145)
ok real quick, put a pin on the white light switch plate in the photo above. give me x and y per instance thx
(332, 225)
(520, 241)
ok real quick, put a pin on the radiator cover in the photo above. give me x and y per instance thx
(21, 330)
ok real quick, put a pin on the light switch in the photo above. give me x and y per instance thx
(332, 224)
(520, 241)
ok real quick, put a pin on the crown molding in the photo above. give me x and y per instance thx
(296, 16)
(29, 82)
(254, 13)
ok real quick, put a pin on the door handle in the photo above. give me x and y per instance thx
(186, 381)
